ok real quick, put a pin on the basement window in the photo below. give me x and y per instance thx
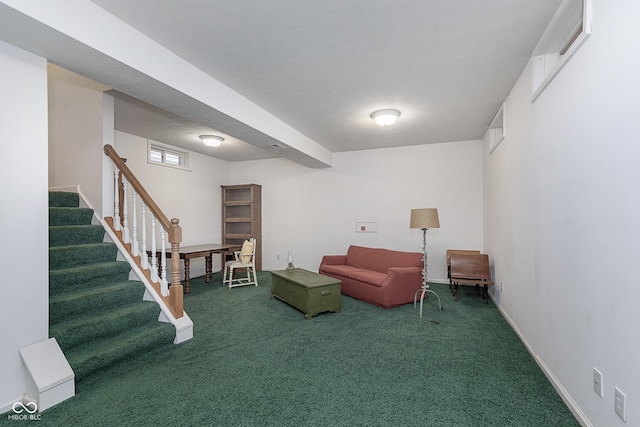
(568, 29)
(163, 155)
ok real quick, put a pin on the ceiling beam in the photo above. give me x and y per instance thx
(83, 38)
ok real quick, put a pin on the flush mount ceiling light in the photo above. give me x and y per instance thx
(211, 140)
(385, 117)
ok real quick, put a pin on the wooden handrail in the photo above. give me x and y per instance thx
(175, 298)
(131, 178)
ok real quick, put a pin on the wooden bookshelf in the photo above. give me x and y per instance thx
(242, 216)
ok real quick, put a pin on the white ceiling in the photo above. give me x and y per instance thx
(322, 67)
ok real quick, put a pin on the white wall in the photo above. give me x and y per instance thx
(561, 216)
(24, 221)
(313, 212)
(193, 196)
(75, 133)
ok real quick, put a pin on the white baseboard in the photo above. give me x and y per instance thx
(67, 188)
(564, 394)
(8, 406)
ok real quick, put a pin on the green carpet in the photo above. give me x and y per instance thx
(256, 361)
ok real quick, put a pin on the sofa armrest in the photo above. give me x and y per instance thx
(410, 277)
(400, 286)
(334, 260)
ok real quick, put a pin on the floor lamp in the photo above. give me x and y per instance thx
(424, 219)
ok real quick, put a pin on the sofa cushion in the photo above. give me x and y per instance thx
(360, 257)
(380, 260)
(338, 269)
(368, 276)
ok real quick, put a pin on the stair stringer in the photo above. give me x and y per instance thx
(183, 325)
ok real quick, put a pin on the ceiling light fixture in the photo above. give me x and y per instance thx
(211, 140)
(385, 117)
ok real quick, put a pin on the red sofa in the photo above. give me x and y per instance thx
(382, 277)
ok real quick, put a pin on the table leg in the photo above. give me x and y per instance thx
(187, 288)
(208, 267)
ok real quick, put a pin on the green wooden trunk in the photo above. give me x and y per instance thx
(309, 292)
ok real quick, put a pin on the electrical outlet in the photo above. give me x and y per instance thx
(501, 286)
(621, 404)
(597, 382)
(278, 256)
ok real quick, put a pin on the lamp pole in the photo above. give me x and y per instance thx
(425, 285)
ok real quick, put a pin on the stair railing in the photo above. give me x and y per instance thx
(125, 226)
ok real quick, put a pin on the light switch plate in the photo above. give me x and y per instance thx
(621, 404)
(597, 382)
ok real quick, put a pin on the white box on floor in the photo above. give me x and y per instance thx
(49, 377)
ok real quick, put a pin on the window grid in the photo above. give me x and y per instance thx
(166, 157)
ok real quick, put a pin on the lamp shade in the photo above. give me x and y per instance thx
(424, 218)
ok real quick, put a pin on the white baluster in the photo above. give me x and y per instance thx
(154, 258)
(125, 211)
(134, 212)
(144, 256)
(164, 287)
(116, 201)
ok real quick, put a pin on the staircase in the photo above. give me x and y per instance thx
(96, 313)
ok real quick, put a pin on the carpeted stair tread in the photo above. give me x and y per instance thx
(104, 354)
(94, 300)
(76, 255)
(70, 216)
(80, 331)
(64, 235)
(96, 313)
(63, 199)
(87, 276)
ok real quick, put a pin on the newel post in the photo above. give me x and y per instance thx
(175, 291)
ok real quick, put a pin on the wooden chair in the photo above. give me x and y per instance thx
(470, 269)
(243, 259)
(451, 252)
